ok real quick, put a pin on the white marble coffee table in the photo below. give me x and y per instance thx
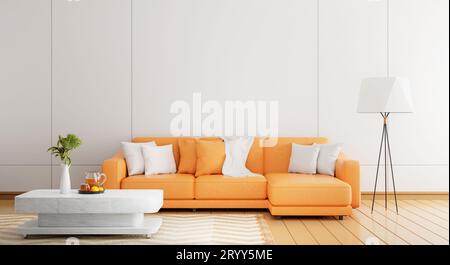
(113, 212)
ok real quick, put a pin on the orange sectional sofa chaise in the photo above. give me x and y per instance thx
(283, 193)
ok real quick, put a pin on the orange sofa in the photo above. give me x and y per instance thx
(281, 192)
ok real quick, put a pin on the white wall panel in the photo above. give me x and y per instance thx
(24, 178)
(227, 50)
(24, 82)
(352, 46)
(419, 50)
(407, 179)
(91, 75)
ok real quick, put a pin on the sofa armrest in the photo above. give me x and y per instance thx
(115, 169)
(349, 172)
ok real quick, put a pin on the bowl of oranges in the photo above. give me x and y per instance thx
(87, 189)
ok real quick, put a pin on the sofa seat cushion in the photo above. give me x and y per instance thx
(214, 187)
(175, 186)
(289, 189)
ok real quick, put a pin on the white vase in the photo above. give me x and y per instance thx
(64, 182)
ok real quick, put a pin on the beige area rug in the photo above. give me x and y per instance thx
(189, 229)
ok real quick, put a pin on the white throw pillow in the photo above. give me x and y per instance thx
(134, 158)
(304, 159)
(236, 153)
(159, 160)
(328, 154)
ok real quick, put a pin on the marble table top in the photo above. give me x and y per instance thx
(111, 201)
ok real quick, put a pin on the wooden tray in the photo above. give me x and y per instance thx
(90, 192)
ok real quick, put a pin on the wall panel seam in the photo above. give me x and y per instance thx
(387, 39)
(51, 87)
(131, 69)
(318, 66)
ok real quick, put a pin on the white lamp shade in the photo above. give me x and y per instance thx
(385, 94)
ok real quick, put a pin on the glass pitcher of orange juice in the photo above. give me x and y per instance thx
(93, 178)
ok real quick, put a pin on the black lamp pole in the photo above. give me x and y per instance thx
(387, 151)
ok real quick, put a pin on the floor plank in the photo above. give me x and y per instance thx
(299, 232)
(414, 209)
(381, 232)
(421, 231)
(441, 202)
(425, 214)
(7, 207)
(359, 231)
(427, 208)
(280, 233)
(320, 232)
(434, 205)
(407, 235)
(420, 220)
(340, 232)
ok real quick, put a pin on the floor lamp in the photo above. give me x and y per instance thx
(385, 95)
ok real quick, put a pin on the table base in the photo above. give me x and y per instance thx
(147, 227)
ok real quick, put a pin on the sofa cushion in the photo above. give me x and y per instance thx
(326, 162)
(162, 141)
(278, 155)
(210, 157)
(236, 153)
(134, 157)
(223, 187)
(188, 155)
(304, 159)
(255, 155)
(175, 186)
(289, 189)
(159, 160)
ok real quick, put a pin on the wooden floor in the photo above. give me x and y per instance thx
(422, 222)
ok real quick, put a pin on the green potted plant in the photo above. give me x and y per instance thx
(62, 150)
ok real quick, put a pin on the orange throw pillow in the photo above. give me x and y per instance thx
(188, 156)
(210, 157)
